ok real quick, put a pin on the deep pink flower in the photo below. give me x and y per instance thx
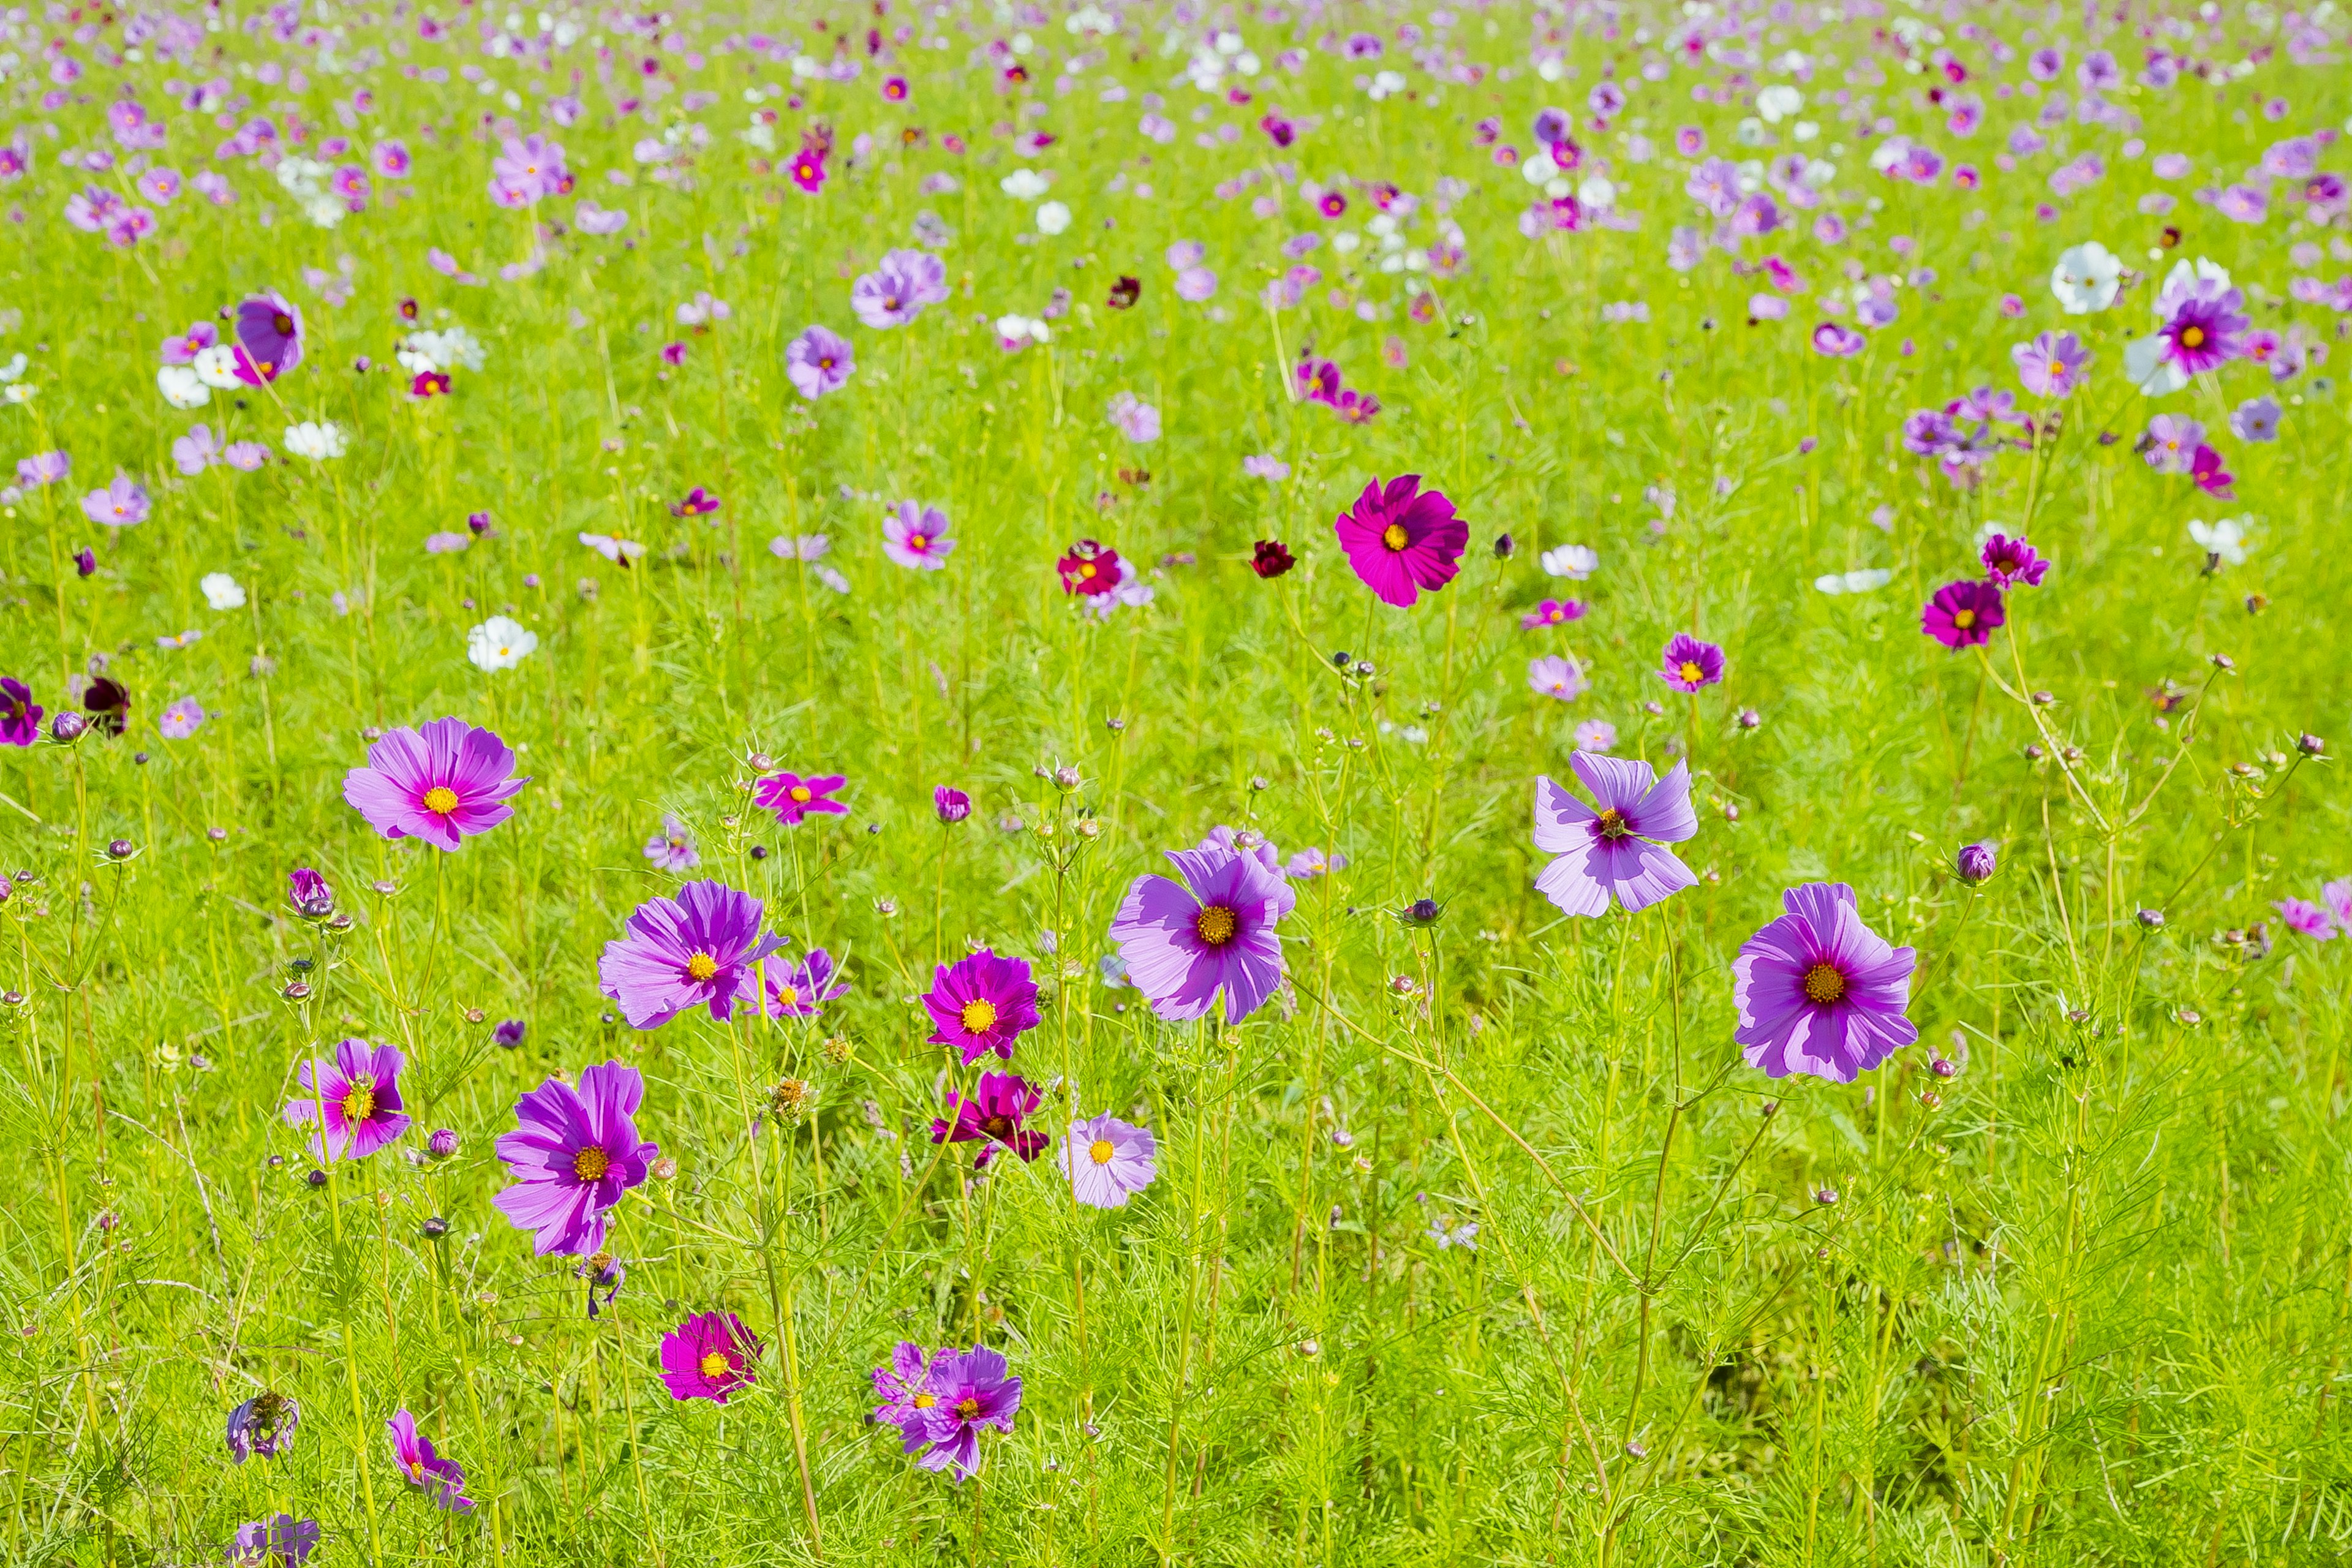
(709, 1356)
(982, 1003)
(1401, 539)
(794, 798)
(358, 1094)
(994, 1114)
(1687, 664)
(699, 949)
(572, 1153)
(442, 781)
(2010, 562)
(2312, 919)
(424, 1468)
(2205, 468)
(1963, 614)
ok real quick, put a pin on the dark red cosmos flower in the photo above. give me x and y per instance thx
(108, 702)
(1089, 568)
(1272, 558)
(1124, 294)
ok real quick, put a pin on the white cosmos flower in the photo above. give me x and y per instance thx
(1576, 560)
(315, 440)
(1024, 184)
(2087, 278)
(452, 349)
(1015, 328)
(217, 366)
(1598, 192)
(222, 592)
(500, 643)
(2224, 537)
(1864, 581)
(1052, 218)
(2147, 368)
(2184, 277)
(180, 386)
(1779, 102)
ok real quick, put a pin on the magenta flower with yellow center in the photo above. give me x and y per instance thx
(982, 1003)
(573, 1153)
(709, 1356)
(1401, 539)
(443, 781)
(700, 949)
(355, 1097)
(1818, 992)
(794, 798)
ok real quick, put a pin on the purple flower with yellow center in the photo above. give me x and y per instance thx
(994, 1112)
(442, 781)
(425, 1470)
(794, 798)
(1107, 1160)
(1551, 613)
(709, 1356)
(1401, 539)
(896, 292)
(308, 893)
(356, 1097)
(263, 1427)
(1963, 614)
(696, 950)
(905, 1386)
(818, 363)
(974, 1392)
(2202, 332)
(1818, 992)
(268, 338)
(800, 990)
(2010, 562)
(121, 504)
(1688, 664)
(916, 537)
(2052, 365)
(1616, 849)
(982, 1003)
(696, 502)
(20, 716)
(1184, 941)
(573, 1153)
(280, 1542)
(672, 849)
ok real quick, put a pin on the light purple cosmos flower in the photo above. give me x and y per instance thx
(121, 504)
(1186, 940)
(994, 1114)
(972, 1391)
(262, 1427)
(2312, 919)
(268, 338)
(358, 1094)
(800, 990)
(708, 1356)
(793, 799)
(2171, 442)
(819, 361)
(1308, 863)
(1838, 341)
(2256, 419)
(244, 456)
(1265, 467)
(896, 292)
(280, 1540)
(1687, 664)
(905, 1386)
(1107, 1160)
(2052, 365)
(425, 1470)
(2010, 562)
(982, 1003)
(43, 469)
(1618, 850)
(1557, 676)
(672, 849)
(181, 720)
(916, 537)
(572, 1153)
(1596, 735)
(2338, 896)
(1136, 419)
(694, 950)
(1818, 992)
(441, 781)
(195, 451)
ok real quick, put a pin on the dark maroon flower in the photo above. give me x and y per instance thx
(1272, 558)
(1124, 294)
(108, 702)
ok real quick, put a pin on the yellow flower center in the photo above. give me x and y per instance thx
(441, 800)
(2190, 337)
(590, 1163)
(1691, 671)
(1100, 1151)
(968, 1409)
(1613, 824)
(917, 540)
(359, 1101)
(715, 1365)
(701, 966)
(801, 794)
(416, 1470)
(1216, 925)
(1395, 536)
(1824, 984)
(788, 996)
(978, 1018)
(1087, 570)
(924, 1401)
(1964, 619)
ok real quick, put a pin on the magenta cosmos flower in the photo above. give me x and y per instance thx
(1184, 941)
(1963, 614)
(696, 950)
(573, 1153)
(20, 716)
(2313, 920)
(982, 1003)
(1818, 992)
(708, 1356)
(2009, 562)
(794, 798)
(800, 990)
(1107, 1160)
(357, 1096)
(268, 338)
(425, 1470)
(1401, 539)
(970, 1391)
(1687, 664)
(916, 537)
(442, 781)
(905, 1386)
(1619, 849)
(2202, 332)
(994, 1112)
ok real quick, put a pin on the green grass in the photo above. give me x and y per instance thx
(2083, 1302)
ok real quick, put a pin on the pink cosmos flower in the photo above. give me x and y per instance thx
(709, 1356)
(1618, 850)
(572, 1153)
(1401, 539)
(916, 537)
(1963, 614)
(982, 1003)
(2312, 919)
(794, 798)
(1818, 992)
(355, 1097)
(442, 781)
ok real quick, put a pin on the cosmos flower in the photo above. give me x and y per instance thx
(1186, 940)
(1687, 664)
(1838, 341)
(982, 1003)
(358, 1093)
(1818, 992)
(694, 950)
(280, 1540)
(500, 643)
(1401, 540)
(1552, 613)
(2223, 540)
(950, 804)
(2256, 419)
(794, 798)
(2087, 278)
(442, 783)
(2312, 919)
(2202, 333)
(1135, 419)
(2052, 365)
(1556, 675)
(898, 290)
(916, 537)
(1107, 1160)
(425, 1470)
(709, 1356)
(20, 716)
(572, 1153)
(2338, 896)
(672, 849)
(2209, 474)
(263, 1426)
(800, 990)
(121, 504)
(269, 330)
(1089, 568)
(1270, 558)
(1596, 735)
(1619, 849)
(181, 720)
(696, 502)
(1963, 614)
(995, 1113)
(2011, 562)
(971, 1392)
(819, 363)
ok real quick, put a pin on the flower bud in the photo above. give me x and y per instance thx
(442, 1144)
(1977, 862)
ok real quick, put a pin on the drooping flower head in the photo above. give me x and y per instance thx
(1107, 1160)
(425, 1470)
(442, 781)
(995, 1113)
(950, 804)
(916, 537)
(800, 990)
(572, 1153)
(1818, 992)
(358, 1094)
(1089, 568)
(1687, 664)
(794, 798)
(1401, 539)
(709, 1356)
(269, 337)
(1185, 941)
(1618, 850)
(973, 1392)
(2010, 562)
(696, 950)
(263, 1427)
(1963, 614)
(982, 1003)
